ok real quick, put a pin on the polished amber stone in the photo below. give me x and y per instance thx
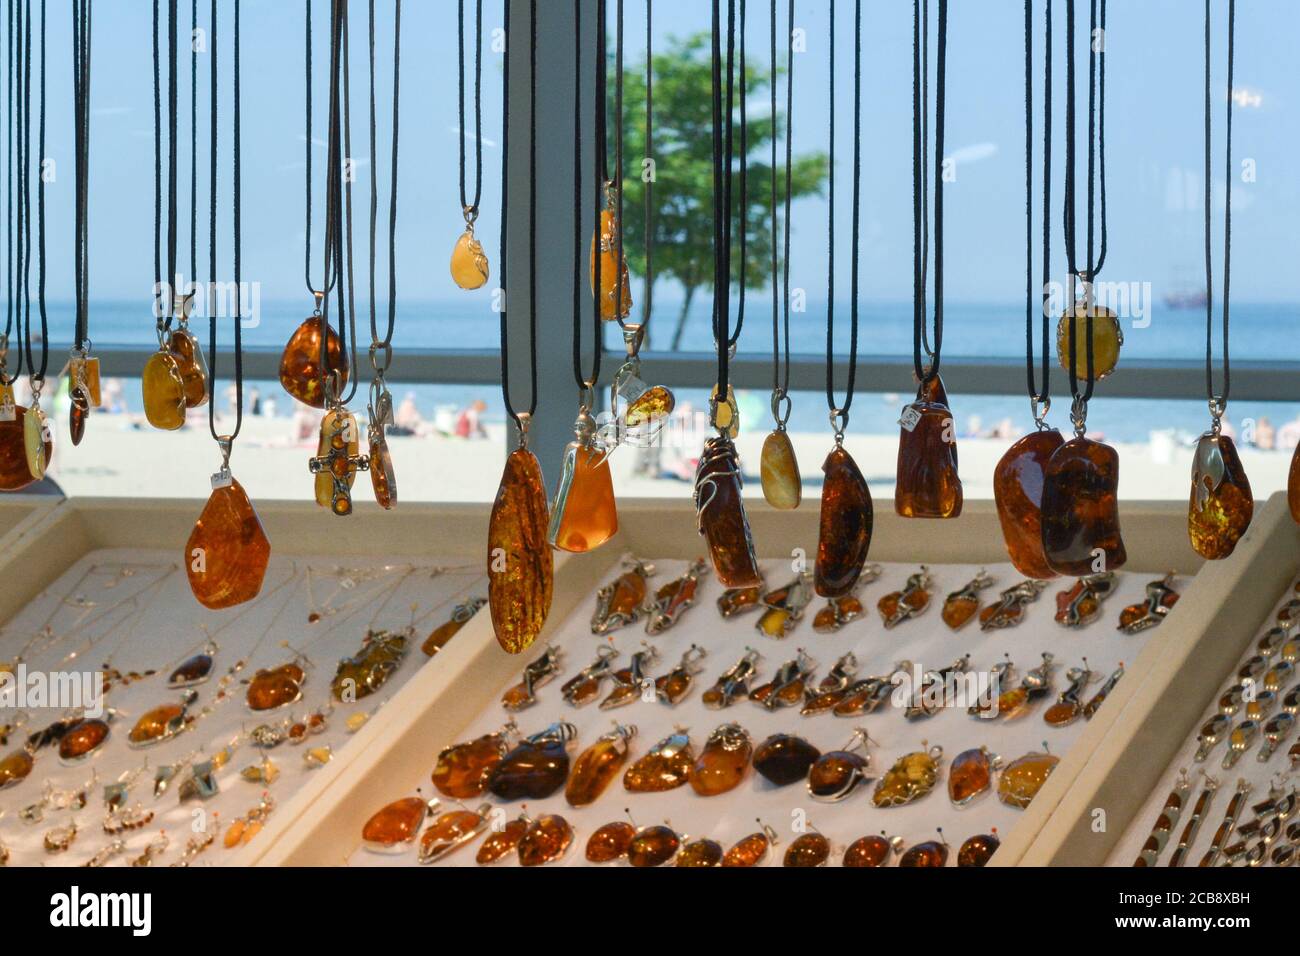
(78, 412)
(971, 774)
(82, 738)
(978, 850)
(383, 479)
(520, 561)
(532, 771)
(1024, 777)
(957, 611)
(725, 412)
(194, 670)
(748, 851)
(545, 841)
(1107, 337)
(227, 552)
(808, 849)
(666, 767)
(612, 267)
(836, 613)
(928, 485)
(1018, 493)
(469, 263)
(163, 391)
(1293, 486)
(270, 689)
(653, 846)
(585, 515)
(844, 532)
(15, 474)
(620, 602)
(15, 768)
(700, 854)
(653, 405)
(735, 601)
(1080, 511)
(36, 435)
(610, 842)
(396, 824)
(361, 674)
(912, 776)
(595, 769)
(300, 371)
(155, 724)
(868, 851)
(721, 514)
(1217, 517)
(193, 370)
(441, 635)
(501, 842)
(928, 855)
(448, 831)
(722, 763)
(835, 774)
(784, 759)
(782, 485)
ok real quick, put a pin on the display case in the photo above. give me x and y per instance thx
(20, 513)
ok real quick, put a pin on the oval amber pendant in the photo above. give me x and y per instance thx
(666, 767)
(275, 688)
(928, 855)
(782, 485)
(720, 514)
(395, 826)
(36, 439)
(15, 768)
(971, 774)
(653, 846)
(584, 516)
(1080, 509)
(300, 371)
(157, 725)
(1024, 777)
(1018, 493)
(502, 842)
(927, 483)
(1221, 504)
(82, 738)
(749, 851)
(469, 263)
(193, 369)
(844, 535)
(868, 852)
(383, 479)
(1107, 337)
(448, 831)
(784, 759)
(611, 269)
(808, 850)
(520, 561)
(545, 841)
(978, 850)
(610, 842)
(163, 391)
(722, 763)
(700, 854)
(227, 552)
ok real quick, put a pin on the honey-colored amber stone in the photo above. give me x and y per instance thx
(807, 850)
(448, 831)
(82, 738)
(339, 442)
(655, 404)
(36, 435)
(1293, 486)
(383, 478)
(442, 634)
(300, 371)
(585, 515)
(784, 759)
(1218, 513)
(163, 391)
(396, 824)
(1107, 337)
(867, 852)
(911, 777)
(155, 724)
(15, 475)
(276, 687)
(666, 767)
(748, 851)
(1080, 511)
(722, 763)
(532, 771)
(957, 611)
(721, 515)
(1024, 777)
(190, 364)
(361, 674)
(612, 267)
(501, 842)
(699, 854)
(1018, 493)
(927, 484)
(725, 412)
(227, 552)
(844, 532)
(545, 841)
(978, 850)
(595, 769)
(520, 561)
(735, 601)
(15, 768)
(836, 613)
(78, 412)
(782, 485)
(928, 855)
(610, 842)
(653, 846)
(970, 775)
(469, 263)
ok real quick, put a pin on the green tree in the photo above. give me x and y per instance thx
(682, 192)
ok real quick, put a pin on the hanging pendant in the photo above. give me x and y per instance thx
(1018, 493)
(643, 405)
(786, 688)
(461, 615)
(37, 439)
(784, 607)
(469, 263)
(1160, 598)
(960, 606)
(971, 775)
(927, 483)
(189, 362)
(1080, 515)
(676, 684)
(733, 684)
(779, 468)
(673, 599)
(1024, 777)
(227, 553)
(667, 766)
(583, 688)
(622, 601)
(584, 515)
(783, 759)
(461, 771)
(844, 530)
(615, 293)
(898, 606)
(1080, 605)
(726, 414)
(598, 766)
(720, 514)
(1293, 486)
(383, 478)
(338, 458)
(536, 768)
(538, 673)
(1009, 610)
(300, 371)
(911, 777)
(1221, 503)
(367, 671)
(722, 763)
(1107, 338)
(520, 561)
(631, 682)
(15, 471)
(162, 388)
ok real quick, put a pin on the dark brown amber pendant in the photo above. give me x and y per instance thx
(227, 552)
(837, 773)
(927, 483)
(676, 684)
(1081, 532)
(722, 763)
(15, 474)
(610, 842)
(545, 841)
(451, 830)
(978, 850)
(871, 851)
(598, 765)
(808, 850)
(536, 768)
(461, 770)
(584, 515)
(700, 854)
(520, 562)
(395, 826)
(82, 738)
(300, 371)
(735, 601)
(1221, 504)
(653, 846)
(928, 855)
(844, 533)
(194, 670)
(1018, 493)
(78, 412)
(666, 767)
(622, 601)
(720, 514)
(784, 759)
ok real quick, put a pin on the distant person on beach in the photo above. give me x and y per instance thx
(1265, 436)
(408, 420)
(469, 423)
(254, 401)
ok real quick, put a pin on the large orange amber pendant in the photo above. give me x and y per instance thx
(1221, 504)
(227, 552)
(300, 371)
(1018, 492)
(337, 459)
(461, 770)
(597, 766)
(15, 472)
(720, 514)
(191, 366)
(520, 561)
(163, 390)
(1080, 515)
(584, 516)
(469, 263)
(722, 763)
(615, 295)
(395, 826)
(927, 484)
(666, 767)
(782, 485)
(844, 535)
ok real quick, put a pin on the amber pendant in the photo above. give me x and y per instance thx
(700, 854)
(1081, 533)
(461, 615)
(971, 775)
(911, 777)
(1080, 605)
(673, 599)
(194, 670)
(461, 770)
(1069, 705)
(722, 763)
(451, 830)
(338, 458)
(536, 768)
(978, 850)
(676, 684)
(276, 687)
(161, 723)
(1103, 692)
(78, 412)
(720, 514)
(667, 766)
(899, 606)
(927, 484)
(1221, 504)
(844, 533)
(783, 759)
(227, 553)
(1024, 777)
(861, 697)
(929, 693)
(501, 843)
(784, 607)
(584, 515)
(394, 827)
(960, 606)
(1015, 702)
(1107, 339)
(871, 851)
(469, 263)
(367, 671)
(1161, 597)
(82, 739)
(836, 774)
(725, 412)
(163, 390)
(653, 846)
(733, 684)
(782, 484)
(15, 472)
(598, 765)
(1009, 609)
(622, 601)
(538, 673)
(546, 840)
(646, 405)
(838, 611)
(735, 601)
(632, 682)
(15, 768)
(610, 842)
(192, 367)
(520, 561)
(930, 855)
(585, 686)
(36, 438)
(615, 293)
(787, 686)
(807, 850)
(751, 850)
(1018, 493)
(300, 371)
(383, 477)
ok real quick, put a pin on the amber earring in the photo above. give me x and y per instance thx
(898, 606)
(538, 673)
(1160, 599)
(1080, 605)
(1069, 705)
(734, 601)
(786, 688)
(585, 685)
(676, 684)
(733, 684)
(960, 606)
(632, 681)
(784, 607)
(622, 601)
(673, 599)
(1009, 610)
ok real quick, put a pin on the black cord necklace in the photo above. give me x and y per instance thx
(1040, 400)
(165, 230)
(469, 263)
(13, 13)
(922, 343)
(723, 415)
(781, 404)
(1218, 400)
(37, 369)
(83, 371)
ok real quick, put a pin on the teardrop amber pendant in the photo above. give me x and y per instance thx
(911, 777)
(720, 514)
(78, 412)
(469, 263)
(978, 850)
(1221, 503)
(613, 269)
(1080, 512)
(585, 515)
(597, 766)
(82, 738)
(545, 841)
(927, 856)
(1018, 492)
(300, 371)
(751, 850)
(971, 774)
(163, 391)
(927, 484)
(808, 850)
(610, 842)
(451, 830)
(193, 369)
(844, 534)
(868, 852)
(383, 477)
(520, 561)
(722, 763)
(700, 854)
(157, 725)
(782, 485)
(227, 552)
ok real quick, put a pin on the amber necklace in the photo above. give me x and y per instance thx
(520, 562)
(1221, 504)
(469, 263)
(14, 473)
(83, 369)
